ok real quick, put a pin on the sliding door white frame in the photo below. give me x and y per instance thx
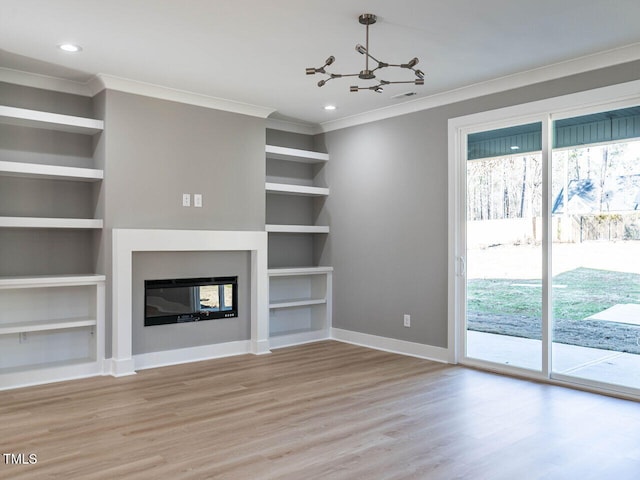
(545, 111)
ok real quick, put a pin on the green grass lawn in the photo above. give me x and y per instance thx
(514, 307)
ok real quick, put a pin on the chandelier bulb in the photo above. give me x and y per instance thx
(419, 74)
(413, 62)
(361, 49)
(321, 83)
(311, 71)
(329, 61)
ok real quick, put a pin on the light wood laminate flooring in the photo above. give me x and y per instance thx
(319, 411)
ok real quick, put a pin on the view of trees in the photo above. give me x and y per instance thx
(504, 187)
(511, 186)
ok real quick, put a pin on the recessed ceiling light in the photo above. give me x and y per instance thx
(514, 147)
(329, 107)
(70, 47)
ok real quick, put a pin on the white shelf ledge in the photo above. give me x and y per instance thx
(291, 272)
(295, 155)
(45, 325)
(45, 372)
(50, 281)
(297, 337)
(304, 302)
(35, 222)
(296, 229)
(303, 190)
(50, 121)
(54, 172)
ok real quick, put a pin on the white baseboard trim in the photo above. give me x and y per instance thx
(118, 368)
(403, 347)
(192, 354)
(260, 347)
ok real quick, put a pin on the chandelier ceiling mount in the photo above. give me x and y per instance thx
(367, 19)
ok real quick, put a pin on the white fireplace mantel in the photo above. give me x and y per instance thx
(127, 241)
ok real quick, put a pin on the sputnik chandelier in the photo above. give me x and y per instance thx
(367, 74)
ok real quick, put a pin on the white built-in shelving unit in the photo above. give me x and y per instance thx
(51, 326)
(299, 305)
(298, 156)
(299, 297)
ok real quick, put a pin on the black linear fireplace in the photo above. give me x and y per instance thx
(182, 300)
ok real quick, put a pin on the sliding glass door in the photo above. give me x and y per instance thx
(596, 247)
(546, 245)
(504, 246)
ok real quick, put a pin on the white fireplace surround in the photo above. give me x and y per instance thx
(127, 241)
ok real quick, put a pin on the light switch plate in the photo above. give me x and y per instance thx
(186, 199)
(197, 200)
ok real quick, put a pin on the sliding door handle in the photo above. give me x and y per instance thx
(462, 270)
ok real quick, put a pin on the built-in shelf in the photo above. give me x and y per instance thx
(34, 374)
(34, 281)
(297, 303)
(293, 271)
(45, 325)
(289, 189)
(50, 172)
(295, 155)
(51, 326)
(296, 229)
(300, 301)
(296, 337)
(50, 121)
(36, 222)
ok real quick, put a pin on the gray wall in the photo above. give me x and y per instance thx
(162, 265)
(157, 150)
(388, 212)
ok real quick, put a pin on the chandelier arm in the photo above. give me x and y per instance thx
(340, 75)
(372, 58)
(417, 81)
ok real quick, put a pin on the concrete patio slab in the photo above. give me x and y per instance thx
(581, 362)
(628, 313)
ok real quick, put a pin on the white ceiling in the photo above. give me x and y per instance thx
(256, 51)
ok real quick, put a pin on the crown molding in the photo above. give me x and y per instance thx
(293, 127)
(101, 81)
(110, 82)
(575, 66)
(44, 82)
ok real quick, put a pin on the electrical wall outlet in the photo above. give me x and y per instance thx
(197, 200)
(186, 199)
(23, 337)
(407, 320)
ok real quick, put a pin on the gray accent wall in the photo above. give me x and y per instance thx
(155, 150)
(388, 211)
